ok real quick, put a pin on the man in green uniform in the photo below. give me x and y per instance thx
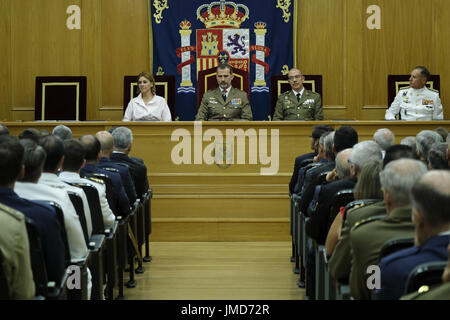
(224, 102)
(299, 103)
(16, 254)
(367, 238)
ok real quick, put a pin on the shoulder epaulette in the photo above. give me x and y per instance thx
(100, 181)
(12, 212)
(434, 90)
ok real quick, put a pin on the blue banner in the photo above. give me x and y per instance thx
(252, 35)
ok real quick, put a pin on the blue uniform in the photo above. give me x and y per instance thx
(396, 267)
(48, 227)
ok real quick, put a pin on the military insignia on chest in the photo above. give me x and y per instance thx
(426, 102)
(405, 94)
(236, 102)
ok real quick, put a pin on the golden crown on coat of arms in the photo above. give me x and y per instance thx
(185, 25)
(223, 14)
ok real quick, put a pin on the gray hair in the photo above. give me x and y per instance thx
(398, 178)
(123, 138)
(364, 152)
(63, 132)
(33, 159)
(384, 137)
(342, 165)
(328, 144)
(424, 141)
(411, 142)
(437, 157)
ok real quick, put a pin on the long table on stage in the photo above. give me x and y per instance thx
(199, 195)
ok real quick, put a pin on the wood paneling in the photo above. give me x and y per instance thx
(320, 45)
(207, 203)
(5, 59)
(124, 45)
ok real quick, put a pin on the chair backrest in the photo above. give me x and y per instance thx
(394, 245)
(207, 81)
(60, 98)
(60, 216)
(305, 162)
(357, 204)
(109, 188)
(79, 208)
(429, 274)
(280, 84)
(340, 199)
(98, 226)
(4, 287)
(165, 87)
(37, 260)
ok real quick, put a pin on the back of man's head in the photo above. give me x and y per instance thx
(443, 132)
(63, 132)
(437, 156)
(410, 142)
(424, 140)
(328, 138)
(431, 197)
(54, 148)
(91, 147)
(398, 178)
(106, 141)
(398, 151)
(365, 152)
(30, 133)
(123, 138)
(319, 130)
(384, 137)
(73, 155)
(11, 160)
(342, 165)
(3, 130)
(345, 137)
(34, 160)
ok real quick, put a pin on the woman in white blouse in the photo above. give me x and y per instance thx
(147, 105)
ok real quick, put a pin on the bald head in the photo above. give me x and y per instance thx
(106, 142)
(91, 146)
(342, 165)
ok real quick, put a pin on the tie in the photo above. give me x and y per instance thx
(298, 96)
(224, 95)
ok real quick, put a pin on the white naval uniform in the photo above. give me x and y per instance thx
(108, 215)
(77, 244)
(155, 110)
(416, 104)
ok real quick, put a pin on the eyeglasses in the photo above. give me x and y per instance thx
(295, 77)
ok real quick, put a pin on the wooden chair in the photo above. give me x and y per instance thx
(60, 98)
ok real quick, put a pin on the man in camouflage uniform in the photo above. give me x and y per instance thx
(299, 103)
(224, 102)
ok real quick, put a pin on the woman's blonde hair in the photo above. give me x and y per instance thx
(150, 78)
(368, 185)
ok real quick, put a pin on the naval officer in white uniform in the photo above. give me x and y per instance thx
(416, 102)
